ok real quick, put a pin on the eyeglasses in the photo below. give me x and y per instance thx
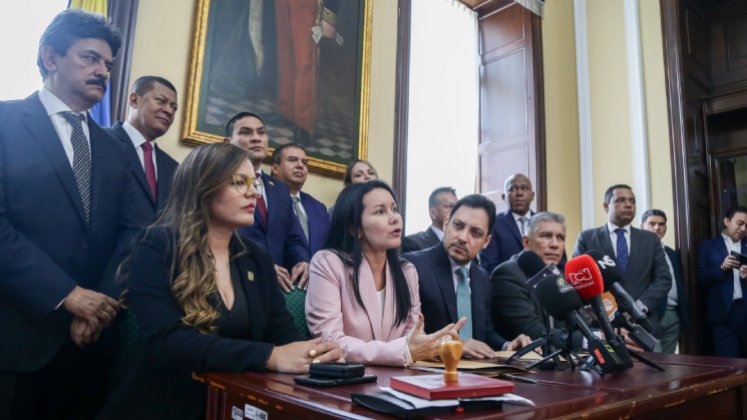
(241, 183)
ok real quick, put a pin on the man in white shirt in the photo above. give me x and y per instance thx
(638, 253)
(152, 106)
(722, 270)
(440, 202)
(510, 225)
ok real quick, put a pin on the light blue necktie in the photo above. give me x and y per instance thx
(464, 303)
(622, 250)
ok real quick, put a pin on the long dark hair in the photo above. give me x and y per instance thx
(343, 241)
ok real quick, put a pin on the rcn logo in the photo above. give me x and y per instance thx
(606, 262)
(581, 279)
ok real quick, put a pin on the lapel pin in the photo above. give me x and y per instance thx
(250, 275)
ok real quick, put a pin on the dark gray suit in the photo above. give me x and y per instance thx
(420, 240)
(647, 275)
(438, 301)
(513, 308)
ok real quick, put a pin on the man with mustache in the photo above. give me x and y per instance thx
(66, 199)
(447, 274)
(638, 253)
(723, 276)
(152, 106)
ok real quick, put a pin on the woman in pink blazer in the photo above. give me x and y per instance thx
(360, 294)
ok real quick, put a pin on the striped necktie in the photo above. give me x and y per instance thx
(81, 159)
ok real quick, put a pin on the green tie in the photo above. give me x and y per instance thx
(464, 303)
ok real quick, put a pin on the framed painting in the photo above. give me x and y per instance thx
(302, 65)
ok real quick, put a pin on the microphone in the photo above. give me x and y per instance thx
(611, 278)
(561, 301)
(583, 273)
(534, 268)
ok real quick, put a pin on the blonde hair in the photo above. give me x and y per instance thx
(198, 178)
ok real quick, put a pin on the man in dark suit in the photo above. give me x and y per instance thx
(290, 166)
(510, 225)
(440, 203)
(638, 253)
(723, 275)
(514, 308)
(276, 226)
(152, 105)
(65, 208)
(674, 312)
(452, 286)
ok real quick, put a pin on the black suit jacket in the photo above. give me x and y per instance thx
(420, 240)
(683, 303)
(159, 383)
(165, 167)
(282, 236)
(514, 309)
(647, 276)
(438, 301)
(46, 248)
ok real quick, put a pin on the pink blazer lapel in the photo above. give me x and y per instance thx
(370, 299)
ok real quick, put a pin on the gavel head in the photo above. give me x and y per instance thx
(451, 352)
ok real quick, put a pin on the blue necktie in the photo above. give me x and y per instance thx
(464, 303)
(622, 250)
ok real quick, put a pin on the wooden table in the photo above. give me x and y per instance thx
(692, 387)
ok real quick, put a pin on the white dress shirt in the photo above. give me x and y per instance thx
(613, 236)
(438, 232)
(54, 106)
(734, 246)
(523, 226)
(138, 140)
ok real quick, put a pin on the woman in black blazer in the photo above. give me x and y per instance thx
(205, 298)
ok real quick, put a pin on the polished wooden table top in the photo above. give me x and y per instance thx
(566, 393)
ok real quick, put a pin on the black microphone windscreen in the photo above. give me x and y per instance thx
(557, 296)
(530, 263)
(607, 266)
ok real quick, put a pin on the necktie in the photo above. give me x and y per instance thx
(81, 159)
(464, 303)
(622, 250)
(301, 215)
(523, 224)
(260, 199)
(150, 169)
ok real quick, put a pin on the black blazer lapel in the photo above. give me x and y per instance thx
(445, 281)
(165, 174)
(40, 126)
(510, 223)
(271, 194)
(603, 238)
(249, 276)
(136, 166)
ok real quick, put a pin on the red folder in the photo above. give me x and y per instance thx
(433, 387)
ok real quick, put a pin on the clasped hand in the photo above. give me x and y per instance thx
(93, 311)
(297, 357)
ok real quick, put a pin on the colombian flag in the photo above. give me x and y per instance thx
(101, 112)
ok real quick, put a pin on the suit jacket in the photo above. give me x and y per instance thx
(318, 223)
(683, 305)
(166, 166)
(159, 383)
(719, 283)
(513, 307)
(46, 247)
(438, 300)
(647, 275)
(420, 240)
(365, 334)
(506, 242)
(283, 236)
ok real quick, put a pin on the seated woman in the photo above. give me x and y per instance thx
(360, 293)
(205, 299)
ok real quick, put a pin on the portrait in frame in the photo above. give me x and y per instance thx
(302, 65)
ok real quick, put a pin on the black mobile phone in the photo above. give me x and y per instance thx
(741, 257)
(336, 370)
(327, 382)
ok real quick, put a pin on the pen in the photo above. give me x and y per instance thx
(519, 378)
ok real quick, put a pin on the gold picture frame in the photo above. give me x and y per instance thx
(225, 52)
